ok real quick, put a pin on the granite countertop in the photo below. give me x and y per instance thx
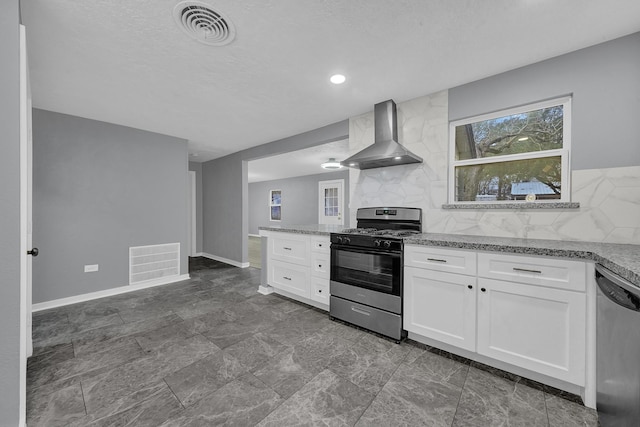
(318, 229)
(624, 260)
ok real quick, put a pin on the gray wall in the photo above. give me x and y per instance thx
(100, 188)
(197, 168)
(299, 199)
(605, 84)
(224, 189)
(9, 215)
(225, 193)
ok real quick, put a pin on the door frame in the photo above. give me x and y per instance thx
(193, 218)
(26, 344)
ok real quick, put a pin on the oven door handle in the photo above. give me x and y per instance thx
(395, 254)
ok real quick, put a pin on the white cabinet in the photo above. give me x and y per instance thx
(448, 260)
(289, 277)
(537, 328)
(299, 266)
(320, 269)
(527, 311)
(289, 247)
(441, 306)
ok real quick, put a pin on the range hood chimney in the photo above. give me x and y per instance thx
(385, 151)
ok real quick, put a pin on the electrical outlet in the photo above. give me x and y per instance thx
(89, 268)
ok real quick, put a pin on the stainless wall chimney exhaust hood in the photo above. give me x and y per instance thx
(385, 151)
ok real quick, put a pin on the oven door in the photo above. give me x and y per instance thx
(377, 270)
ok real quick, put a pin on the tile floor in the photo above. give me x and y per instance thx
(212, 351)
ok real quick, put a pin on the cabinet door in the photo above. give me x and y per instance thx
(320, 290)
(441, 306)
(536, 328)
(289, 247)
(289, 277)
(320, 265)
(320, 244)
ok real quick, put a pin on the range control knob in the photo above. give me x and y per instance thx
(387, 244)
(339, 239)
(376, 243)
(347, 240)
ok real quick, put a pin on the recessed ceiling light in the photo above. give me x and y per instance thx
(523, 138)
(397, 158)
(337, 79)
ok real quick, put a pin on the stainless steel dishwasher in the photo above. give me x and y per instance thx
(617, 350)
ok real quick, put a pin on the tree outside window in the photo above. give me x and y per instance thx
(512, 155)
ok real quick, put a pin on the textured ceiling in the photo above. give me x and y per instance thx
(126, 62)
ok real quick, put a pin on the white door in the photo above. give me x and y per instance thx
(330, 202)
(26, 345)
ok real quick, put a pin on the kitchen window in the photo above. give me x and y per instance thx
(275, 205)
(516, 155)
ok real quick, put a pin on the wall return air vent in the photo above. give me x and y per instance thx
(200, 22)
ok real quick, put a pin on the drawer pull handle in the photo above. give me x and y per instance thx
(526, 270)
(286, 249)
(286, 278)
(319, 291)
(357, 310)
(483, 289)
(436, 260)
(319, 265)
(319, 245)
(469, 286)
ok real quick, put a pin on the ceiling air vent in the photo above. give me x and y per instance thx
(203, 24)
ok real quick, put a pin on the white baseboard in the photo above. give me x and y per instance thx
(265, 290)
(225, 260)
(107, 292)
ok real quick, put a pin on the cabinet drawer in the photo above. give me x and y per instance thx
(289, 277)
(541, 271)
(320, 244)
(293, 248)
(320, 290)
(320, 265)
(447, 260)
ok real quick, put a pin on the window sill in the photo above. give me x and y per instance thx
(513, 205)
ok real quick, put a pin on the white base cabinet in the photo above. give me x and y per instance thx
(298, 265)
(536, 328)
(526, 311)
(441, 306)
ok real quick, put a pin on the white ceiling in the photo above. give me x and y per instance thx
(126, 62)
(298, 163)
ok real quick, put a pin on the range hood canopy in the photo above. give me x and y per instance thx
(385, 151)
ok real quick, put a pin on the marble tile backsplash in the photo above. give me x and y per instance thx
(609, 198)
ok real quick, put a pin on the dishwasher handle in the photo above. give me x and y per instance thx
(617, 289)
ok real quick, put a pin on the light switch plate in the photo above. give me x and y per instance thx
(89, 268)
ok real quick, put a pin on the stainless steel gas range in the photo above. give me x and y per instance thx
(367, 269)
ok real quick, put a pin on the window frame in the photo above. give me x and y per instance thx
(271, 205)
(563, 153)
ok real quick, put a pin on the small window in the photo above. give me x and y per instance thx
(275, 204)
(521, 154)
